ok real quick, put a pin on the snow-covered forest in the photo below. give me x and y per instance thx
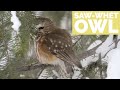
(98, 54)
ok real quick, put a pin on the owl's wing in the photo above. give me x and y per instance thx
(62, 48)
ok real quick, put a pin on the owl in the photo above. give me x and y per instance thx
(54, 45)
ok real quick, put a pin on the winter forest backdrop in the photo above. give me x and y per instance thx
(99, 55)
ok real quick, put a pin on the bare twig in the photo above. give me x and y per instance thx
(100, 66)
(116, 42)
(32, 66)
(89, 52)
(76, 42)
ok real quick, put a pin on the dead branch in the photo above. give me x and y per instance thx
(76, 42)
(32, 67)
(88, 53)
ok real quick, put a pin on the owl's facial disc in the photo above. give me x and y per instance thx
(40, 28)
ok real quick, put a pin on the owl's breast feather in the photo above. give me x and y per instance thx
(44, 56)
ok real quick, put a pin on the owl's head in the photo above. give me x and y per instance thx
(44, 25)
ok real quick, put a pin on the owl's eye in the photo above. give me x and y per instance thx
(41, 28)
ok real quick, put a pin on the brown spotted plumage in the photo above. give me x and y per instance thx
(54, 45)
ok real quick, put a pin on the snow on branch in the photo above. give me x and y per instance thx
(98, 49)
(16, 22)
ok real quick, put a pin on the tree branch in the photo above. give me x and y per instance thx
(42, 66)
(32, 67)
(89, 52)
(80, 56)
